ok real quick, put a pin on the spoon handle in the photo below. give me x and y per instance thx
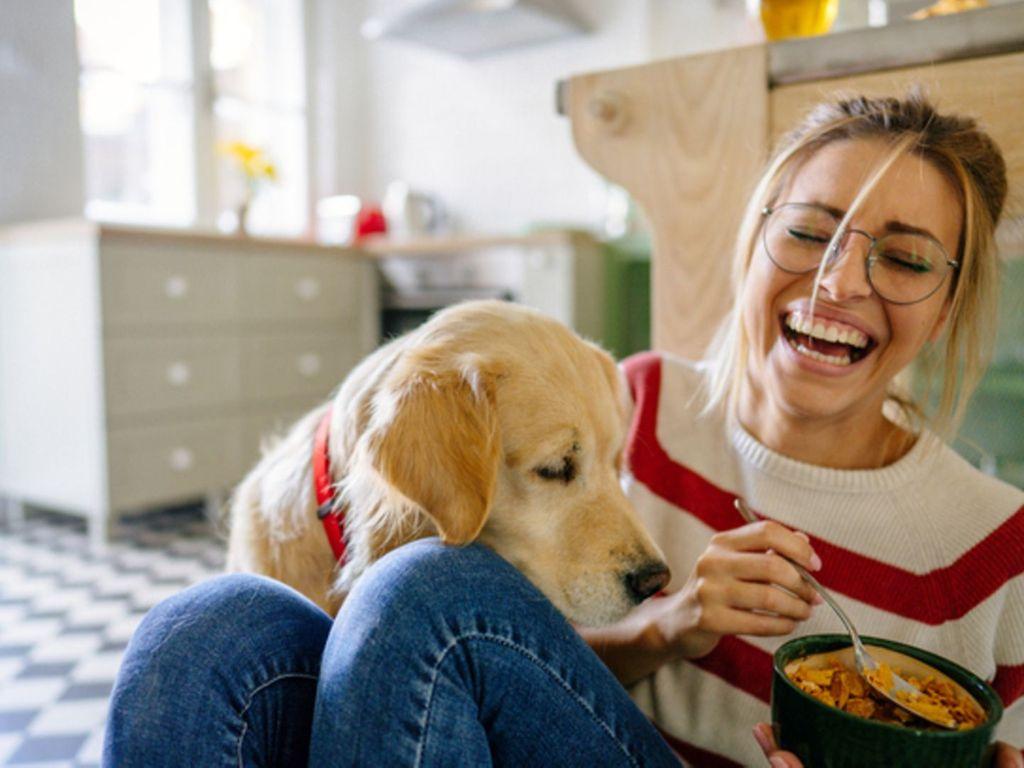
(748, 514)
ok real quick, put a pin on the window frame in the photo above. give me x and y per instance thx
(205, 184)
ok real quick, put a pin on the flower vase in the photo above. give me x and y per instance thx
(242, 214)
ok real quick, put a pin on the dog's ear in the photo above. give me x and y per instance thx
(437, 442)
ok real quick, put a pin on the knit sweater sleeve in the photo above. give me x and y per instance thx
(1009, 658)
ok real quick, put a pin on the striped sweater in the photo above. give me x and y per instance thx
(927, 551)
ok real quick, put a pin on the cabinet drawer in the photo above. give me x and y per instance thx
(156, 465)
(152, 375)
(259, 429)
(145, 284)
(274, 288)
(290, 366)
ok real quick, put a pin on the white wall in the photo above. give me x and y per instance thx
(484, 134)
(338, 96)
(40, 142)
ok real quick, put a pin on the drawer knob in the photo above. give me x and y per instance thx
(181, 459)
(176, 286)
(309, 364)
(307, 288)
(179, 374)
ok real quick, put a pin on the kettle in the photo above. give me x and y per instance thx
(410, 213)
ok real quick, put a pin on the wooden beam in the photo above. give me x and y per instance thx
(686, 137)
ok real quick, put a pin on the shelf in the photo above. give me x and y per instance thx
(971, 34)
(442, 246)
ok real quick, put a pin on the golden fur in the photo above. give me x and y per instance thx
(450, 431)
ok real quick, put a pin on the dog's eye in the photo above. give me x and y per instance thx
(565, 471)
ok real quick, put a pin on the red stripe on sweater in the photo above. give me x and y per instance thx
(932, 598)
(742, 665)
(697, 757)
(1009, 682)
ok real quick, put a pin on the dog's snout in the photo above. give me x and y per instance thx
(647, 580)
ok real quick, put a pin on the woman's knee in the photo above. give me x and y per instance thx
(215, 611)
(426, 582)
(237, 626)
(197, 660)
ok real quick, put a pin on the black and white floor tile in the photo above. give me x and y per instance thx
(66, 616)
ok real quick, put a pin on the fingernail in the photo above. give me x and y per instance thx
(803, 536)
(815, 562)
(817, 599)
(777, 762)
(762, 738)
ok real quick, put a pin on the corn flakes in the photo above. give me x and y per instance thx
(843, 688)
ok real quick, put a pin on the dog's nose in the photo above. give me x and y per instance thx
(646, 581)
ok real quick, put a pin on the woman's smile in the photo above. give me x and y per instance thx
(825, 339)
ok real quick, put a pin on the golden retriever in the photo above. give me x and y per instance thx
(490, 422)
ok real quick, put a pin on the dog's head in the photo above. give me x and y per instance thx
(504, 426)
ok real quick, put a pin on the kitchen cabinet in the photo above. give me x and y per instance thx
(560, 272)
(688, 137)
(140, 368)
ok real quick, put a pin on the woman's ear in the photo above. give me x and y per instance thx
(437, 443)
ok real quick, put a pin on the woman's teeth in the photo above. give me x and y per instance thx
(820, 356)
(826, 331)
(825, 341)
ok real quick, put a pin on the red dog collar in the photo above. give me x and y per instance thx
(324, 486)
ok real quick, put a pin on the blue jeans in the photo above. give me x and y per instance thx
(441, 656)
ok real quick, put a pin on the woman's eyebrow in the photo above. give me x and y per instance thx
(908, 229)
(893, 225)
(837, 212)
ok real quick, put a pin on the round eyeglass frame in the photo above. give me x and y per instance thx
(868, 260)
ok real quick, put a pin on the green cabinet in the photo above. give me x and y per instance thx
(992, 434)
(627, 318)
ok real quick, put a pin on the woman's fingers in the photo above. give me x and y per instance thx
(764, 567)
(723, 620)
(1007, 756)
(777, 758)
(766, 534)
(740, 585)
(765, 597)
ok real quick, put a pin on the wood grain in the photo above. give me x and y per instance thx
(686, 137)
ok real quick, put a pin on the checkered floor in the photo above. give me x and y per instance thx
(66, 617)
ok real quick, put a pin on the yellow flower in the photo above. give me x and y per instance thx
(251, 161)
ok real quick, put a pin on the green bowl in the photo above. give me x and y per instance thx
(827, 737)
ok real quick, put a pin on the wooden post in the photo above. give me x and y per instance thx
(686, 137)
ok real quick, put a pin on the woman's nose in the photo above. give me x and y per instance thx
(846, 275)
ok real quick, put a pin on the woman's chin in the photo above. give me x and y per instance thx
(808, 388)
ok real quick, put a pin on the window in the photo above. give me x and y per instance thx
(259, 98)
(136, 106)
(164, 82)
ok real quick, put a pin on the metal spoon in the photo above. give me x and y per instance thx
(866, 665)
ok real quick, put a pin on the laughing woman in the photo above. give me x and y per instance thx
(868, 239)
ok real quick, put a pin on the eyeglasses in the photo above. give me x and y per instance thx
(902, 267)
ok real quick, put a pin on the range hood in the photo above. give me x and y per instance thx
(474, 28)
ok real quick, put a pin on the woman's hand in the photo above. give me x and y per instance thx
(765, 738)
(734, 588)
(1005, 755)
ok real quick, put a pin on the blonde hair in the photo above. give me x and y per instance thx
(972, 162)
